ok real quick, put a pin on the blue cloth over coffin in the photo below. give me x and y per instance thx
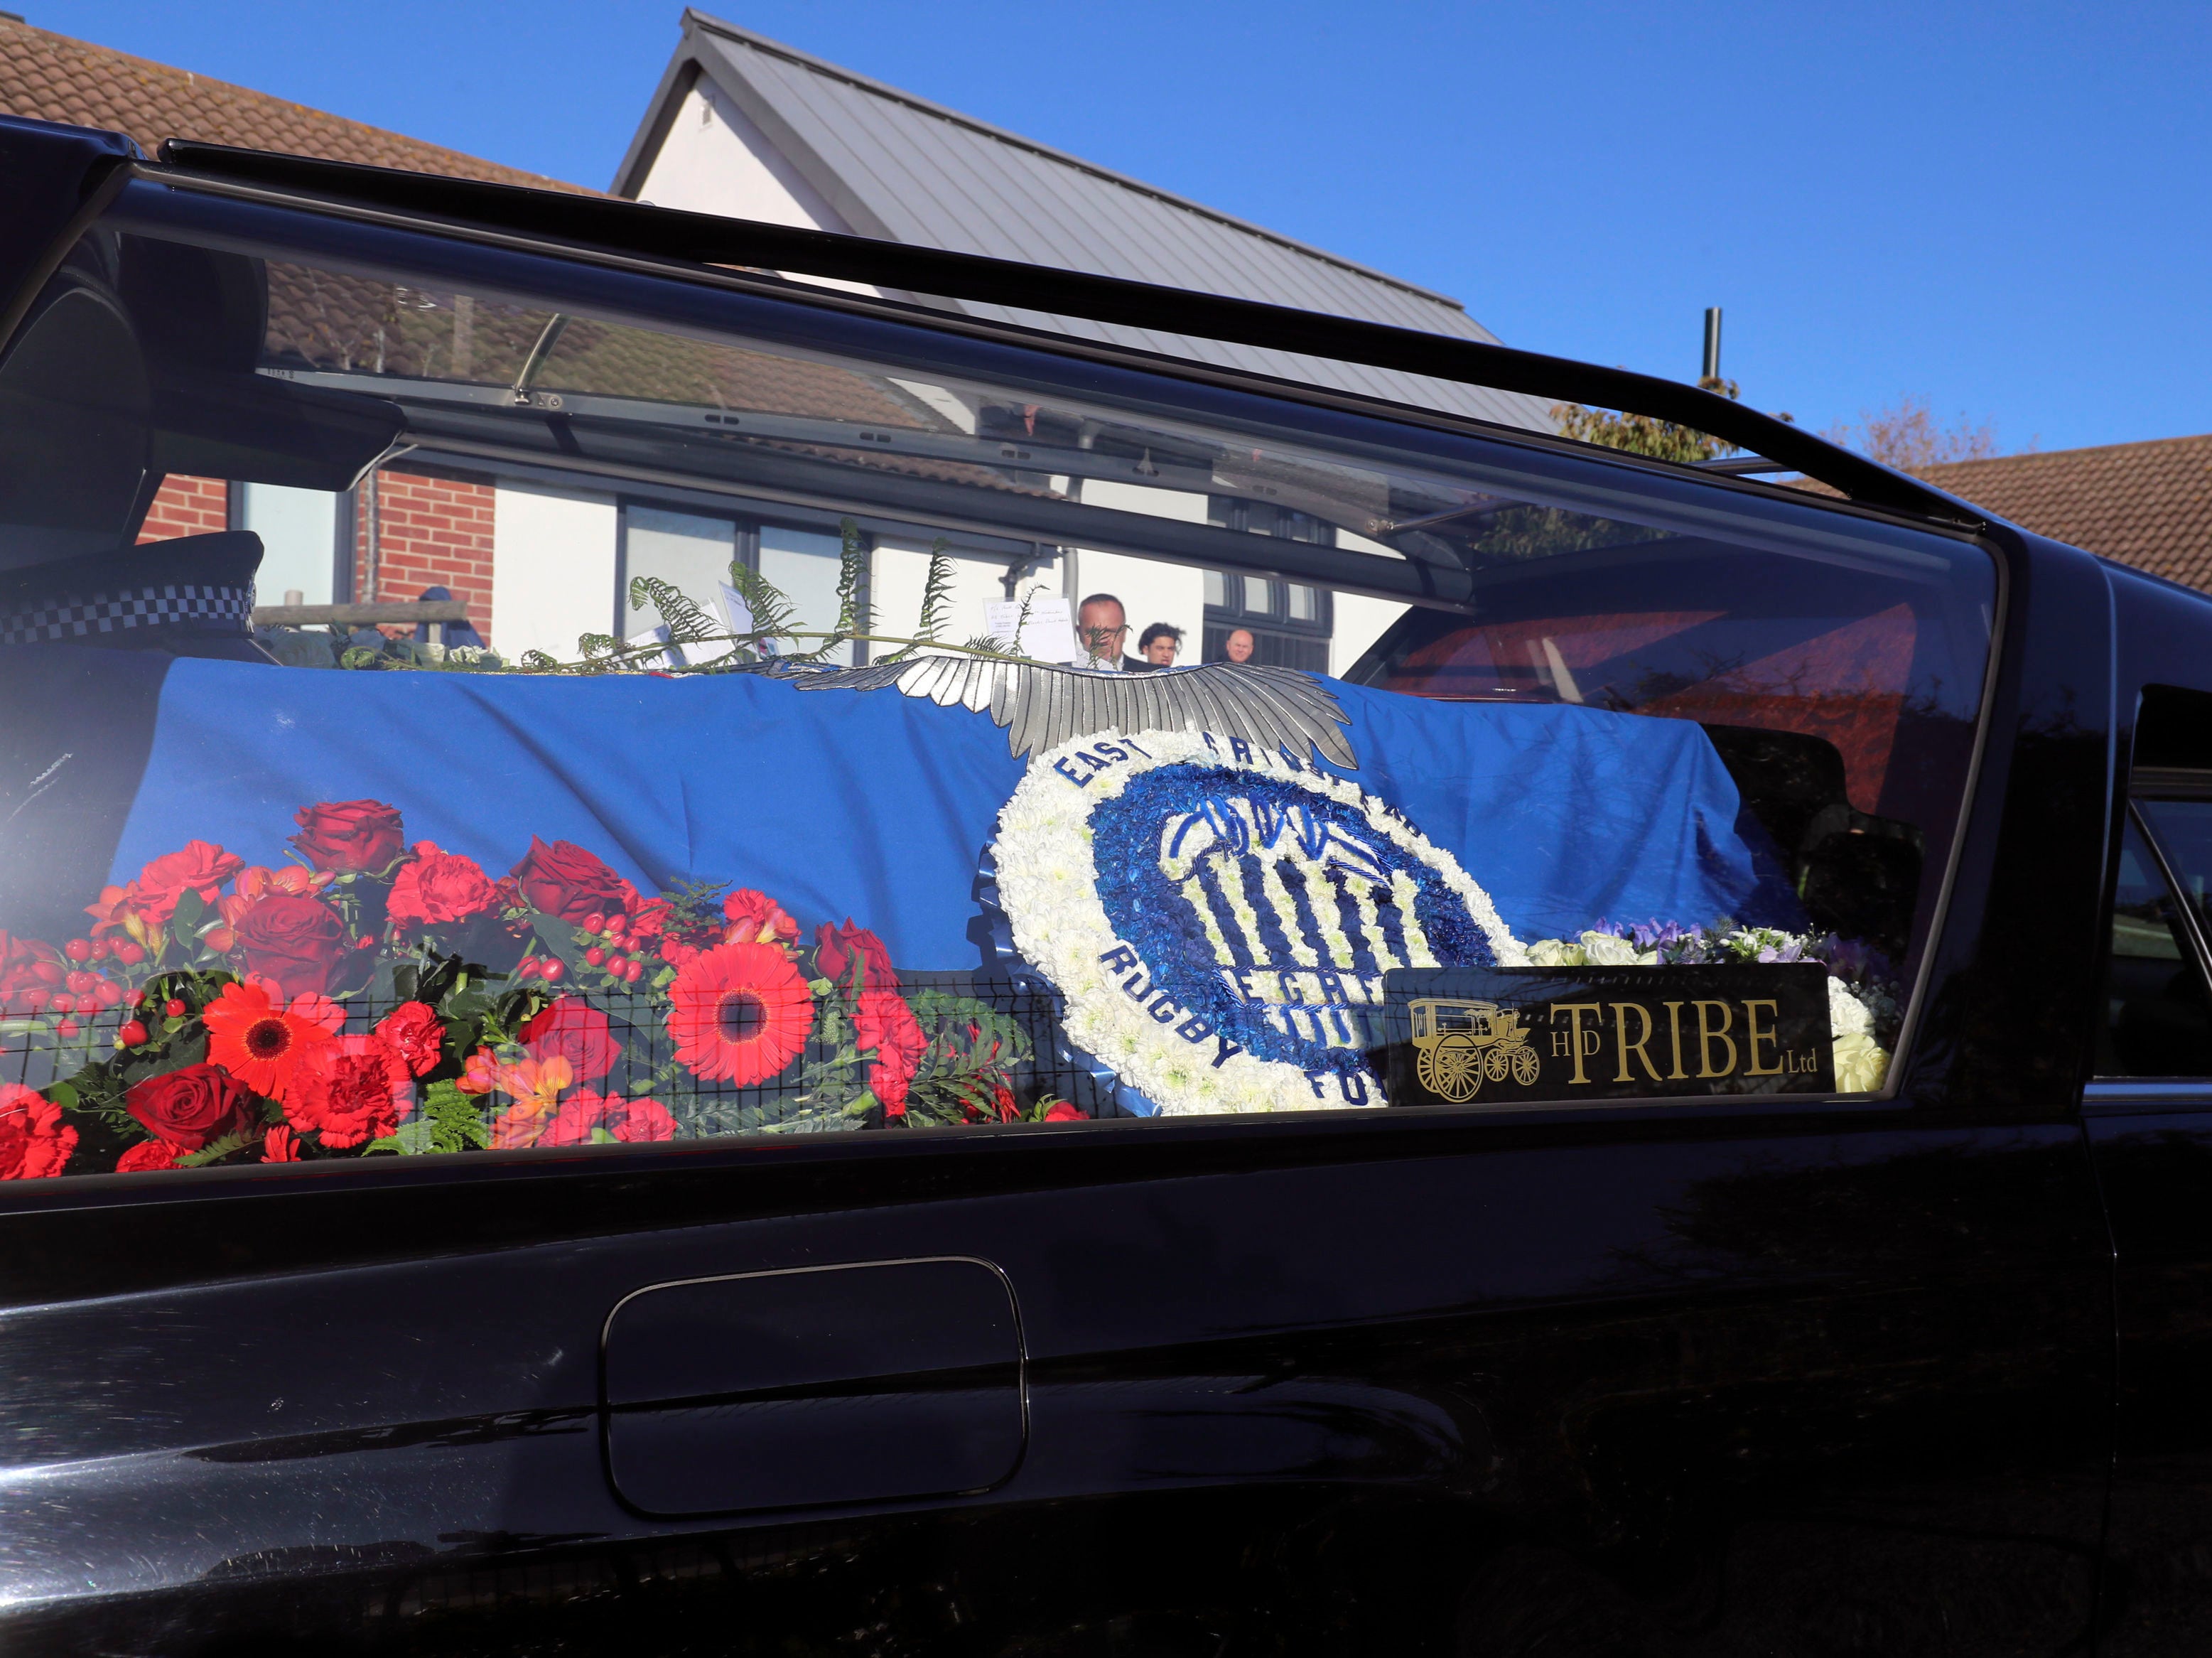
(876, 806)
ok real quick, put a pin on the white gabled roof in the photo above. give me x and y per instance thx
(900, 168)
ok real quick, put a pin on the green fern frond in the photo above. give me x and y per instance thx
(687, 623)
(772, 611)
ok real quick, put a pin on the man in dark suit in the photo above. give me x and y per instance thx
(1104, 627)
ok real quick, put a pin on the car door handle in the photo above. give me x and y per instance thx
(859, 1383)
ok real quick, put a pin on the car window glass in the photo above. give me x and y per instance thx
(2157, 1022)
(626, 855)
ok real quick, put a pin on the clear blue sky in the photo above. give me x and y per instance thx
(2003, 208)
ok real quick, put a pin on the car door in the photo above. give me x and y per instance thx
(821, 1186)
(2149, 1114)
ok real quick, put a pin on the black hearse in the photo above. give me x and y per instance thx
(1665, 1110)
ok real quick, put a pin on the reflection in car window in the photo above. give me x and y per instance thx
(2157, 1022)
(768, 794)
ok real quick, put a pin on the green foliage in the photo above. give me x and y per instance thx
(1641, 434)
(447, 1120)
(855, 615)
(973, 1047)
(694, 907)
(686, 622)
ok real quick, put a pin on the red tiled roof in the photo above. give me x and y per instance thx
(52, 77)
(2145, 504)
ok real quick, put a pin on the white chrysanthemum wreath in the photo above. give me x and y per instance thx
(1048, 887)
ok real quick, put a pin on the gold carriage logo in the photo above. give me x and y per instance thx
(1501, 1037)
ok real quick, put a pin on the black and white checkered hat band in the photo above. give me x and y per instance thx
(177, 604)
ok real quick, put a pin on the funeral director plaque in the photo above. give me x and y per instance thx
(1507, 1036)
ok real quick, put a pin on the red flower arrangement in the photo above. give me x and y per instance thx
(240, 1011)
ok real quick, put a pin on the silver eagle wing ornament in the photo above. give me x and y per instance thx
(1040, 705)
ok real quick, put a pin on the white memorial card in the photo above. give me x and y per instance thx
(1047, 633)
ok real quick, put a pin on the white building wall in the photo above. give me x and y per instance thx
(715, 160)
(552, 571)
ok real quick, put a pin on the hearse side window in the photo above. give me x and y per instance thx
(2158, 1022)
(1645, 793)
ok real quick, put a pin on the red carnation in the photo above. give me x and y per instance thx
(412, 1031)
(28, 968)
(567, 882)
(836, 947)
(573, 1030)
(887, 1024)
(627, 1120)
(34, 1141)
(350, 1089)
(347, 837)
(1063, 1111)
(436, 888)
(146, 1156)
(191, 1107)
(294, 940)
(757, 918)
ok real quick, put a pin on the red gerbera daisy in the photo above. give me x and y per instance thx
(259, 1041)
(740, 1013)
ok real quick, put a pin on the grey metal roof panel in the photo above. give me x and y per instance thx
(899, 166)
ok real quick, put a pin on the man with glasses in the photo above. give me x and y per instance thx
(1103, 626)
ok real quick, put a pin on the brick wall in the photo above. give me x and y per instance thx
(187, 507)
(434, 530)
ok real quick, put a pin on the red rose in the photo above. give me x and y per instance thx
(1062, 1111)
(569, 884)
(198, 867)
(413, 1032)
(294, 940)
(757, 918)
(650, 919)
(277, 1146)
(27, 968)
(835, 947)
(255, 884)
(146, 1156)
(887, 1024)
(34, 1141)
(191, 1107)
(573, 1030)
(350, 1089)
(436, 888)
(349, 836)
